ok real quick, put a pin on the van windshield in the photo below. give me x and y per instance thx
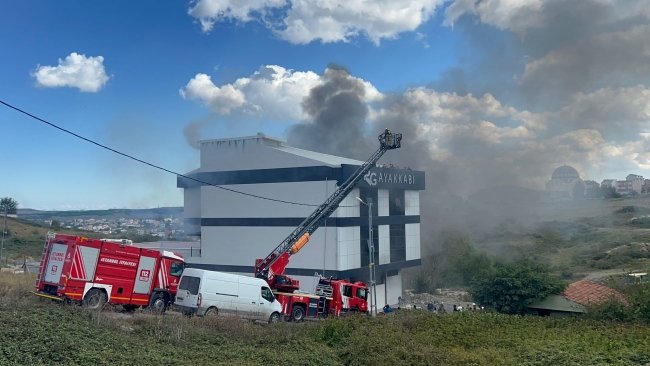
(190, 284)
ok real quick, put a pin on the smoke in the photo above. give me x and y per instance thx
(131, 184)
(192, 133)
(337, 113)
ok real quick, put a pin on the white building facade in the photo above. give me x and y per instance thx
(236, 229)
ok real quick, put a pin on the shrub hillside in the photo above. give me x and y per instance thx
(40, 332)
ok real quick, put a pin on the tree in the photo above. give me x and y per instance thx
(10, 203)
(511, 288)
(55, 224)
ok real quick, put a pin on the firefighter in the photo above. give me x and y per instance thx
(389, 137)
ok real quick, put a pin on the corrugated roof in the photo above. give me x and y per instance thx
(558, 303)
(326, 159)
(585, 292)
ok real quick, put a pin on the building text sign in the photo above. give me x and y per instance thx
(386, 178)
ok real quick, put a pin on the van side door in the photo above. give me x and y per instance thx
(249, 299)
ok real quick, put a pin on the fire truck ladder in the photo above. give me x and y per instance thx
(299, 237)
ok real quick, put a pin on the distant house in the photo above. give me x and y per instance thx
(608, 183)
(575, 298)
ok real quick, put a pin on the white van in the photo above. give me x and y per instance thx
(208, 293)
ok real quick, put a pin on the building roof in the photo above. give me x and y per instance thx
(266, 139)
(326, 159)
(565, 172)
(558, 303)
(585, 292)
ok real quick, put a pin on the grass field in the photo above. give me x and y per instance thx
(40, 332)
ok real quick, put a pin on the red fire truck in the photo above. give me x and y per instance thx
(332, 296)
(94, 272)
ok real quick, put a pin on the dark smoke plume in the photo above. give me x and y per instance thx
(337, 112)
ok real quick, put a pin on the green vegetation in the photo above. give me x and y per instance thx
(40, 332)
(8, 203)
(597, 235)
(511, 288)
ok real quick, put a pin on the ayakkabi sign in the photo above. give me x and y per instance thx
(387, 178)
(373, 178)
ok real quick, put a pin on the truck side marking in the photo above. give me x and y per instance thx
(119, 262)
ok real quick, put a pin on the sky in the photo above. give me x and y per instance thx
(487, 92)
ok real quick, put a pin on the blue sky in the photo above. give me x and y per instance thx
(152, 49)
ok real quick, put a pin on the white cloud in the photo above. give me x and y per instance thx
(76, 71)
(303, 21)
(219, 100)
(272, 93)
(209, 12)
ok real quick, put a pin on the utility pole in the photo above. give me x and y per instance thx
(2, 246)
(371, 252)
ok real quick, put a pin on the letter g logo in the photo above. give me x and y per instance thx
(371, 178)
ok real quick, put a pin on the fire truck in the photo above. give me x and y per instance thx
(95, 272)
(332, 296)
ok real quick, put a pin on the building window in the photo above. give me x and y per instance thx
(368, 195)
(396, 202)
(397, 243)
(363, 244)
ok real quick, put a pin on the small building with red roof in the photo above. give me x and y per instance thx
(576, 298)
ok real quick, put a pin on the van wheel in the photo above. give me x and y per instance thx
(298, 313)
(274, 318)
(158, 303)
(212, 312)
(95, 299)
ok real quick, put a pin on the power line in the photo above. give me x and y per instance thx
(150, 164)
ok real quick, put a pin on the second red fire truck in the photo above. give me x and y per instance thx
(95, 272)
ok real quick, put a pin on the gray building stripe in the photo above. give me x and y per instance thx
(295, 221)
(355, 272)
(380, 178)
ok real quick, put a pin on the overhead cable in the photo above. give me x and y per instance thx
(150, 164)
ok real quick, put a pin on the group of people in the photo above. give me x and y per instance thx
(469, 307)
(393, 166)
(439, 308)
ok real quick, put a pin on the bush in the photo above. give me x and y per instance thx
(513, 287)
(638, 296)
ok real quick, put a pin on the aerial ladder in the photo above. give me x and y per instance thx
(273, 266)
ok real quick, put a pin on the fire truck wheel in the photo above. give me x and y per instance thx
(95, 299)
(158, 303)
(298, 313)
(274, 318)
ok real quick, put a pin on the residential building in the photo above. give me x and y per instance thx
(609, 183)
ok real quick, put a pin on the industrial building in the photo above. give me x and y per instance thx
(236, 229)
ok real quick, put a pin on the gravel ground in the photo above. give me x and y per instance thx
(447, 297)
